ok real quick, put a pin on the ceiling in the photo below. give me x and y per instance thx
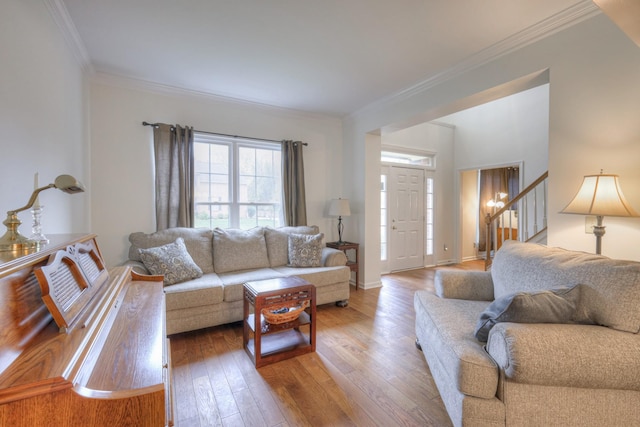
(330, 56)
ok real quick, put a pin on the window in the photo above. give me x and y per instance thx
(408, 157)
(384, 231)
(429, 217)
(238, 182)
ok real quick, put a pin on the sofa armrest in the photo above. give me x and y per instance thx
(566, 355)
(333, 257)
(471, 285)
(137, 266)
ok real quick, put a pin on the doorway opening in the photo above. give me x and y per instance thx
(485, 191)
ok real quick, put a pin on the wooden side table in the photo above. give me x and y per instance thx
(344, 247)
(275, 342)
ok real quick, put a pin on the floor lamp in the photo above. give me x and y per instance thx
(600, 195)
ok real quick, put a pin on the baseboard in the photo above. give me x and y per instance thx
(370, 285)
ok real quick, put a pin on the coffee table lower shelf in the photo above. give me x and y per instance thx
(279, 342)
(287, 341)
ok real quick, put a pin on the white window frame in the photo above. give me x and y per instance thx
(234, 204)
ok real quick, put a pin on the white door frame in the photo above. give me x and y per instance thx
(428, 173)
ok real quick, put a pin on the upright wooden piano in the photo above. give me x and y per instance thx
(80, 345)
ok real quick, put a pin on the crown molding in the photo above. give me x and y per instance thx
(60, 15)
(558, 22)
(130, 83)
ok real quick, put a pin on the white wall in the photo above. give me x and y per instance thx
(505, 131)
(122, 153)
(469, 205)
(43, 113)
(594, 99)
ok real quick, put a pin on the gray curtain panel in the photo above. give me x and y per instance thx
(295, 205)
(173, 147)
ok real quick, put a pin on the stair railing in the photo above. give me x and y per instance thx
(532, 209)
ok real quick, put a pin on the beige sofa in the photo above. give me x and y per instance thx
(228, 259)
(567, 357)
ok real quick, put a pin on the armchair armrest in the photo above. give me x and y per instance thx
(566, 355)
(333, 257)
(470, 285)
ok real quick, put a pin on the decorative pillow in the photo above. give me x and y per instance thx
(548, 306)
(197, 241)
(171, 260)
(235, 249)
(305, 250)
(278, 242)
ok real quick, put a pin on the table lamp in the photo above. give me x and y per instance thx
(339, 208)
(13, 241)
(600, 195)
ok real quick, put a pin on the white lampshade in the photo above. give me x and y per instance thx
(339, 207)
(600, 195)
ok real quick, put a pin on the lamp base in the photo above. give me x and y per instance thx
(340, 228)
(13, 241)
(598, 231)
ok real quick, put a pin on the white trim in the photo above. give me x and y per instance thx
(432, 155)
(126, 82)
(558, 22)
(61, 17)
(371, 285)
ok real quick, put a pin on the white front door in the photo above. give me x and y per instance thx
(406, 213)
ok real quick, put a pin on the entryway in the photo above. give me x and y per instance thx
(409, 217)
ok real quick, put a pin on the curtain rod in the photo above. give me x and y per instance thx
(227, 135)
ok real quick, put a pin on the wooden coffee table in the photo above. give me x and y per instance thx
(267, 343)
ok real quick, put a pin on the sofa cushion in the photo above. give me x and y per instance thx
(552, 306)
(234, 281)
(197, 241)
(203, 291)
(318, 276)
(235, 249)
(446, 325)
(278, 242)
(305, 250)
(172, 261)
(611, 296)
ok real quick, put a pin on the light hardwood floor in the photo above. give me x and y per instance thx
(366, 370)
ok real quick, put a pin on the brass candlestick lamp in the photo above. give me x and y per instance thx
(13, 241)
